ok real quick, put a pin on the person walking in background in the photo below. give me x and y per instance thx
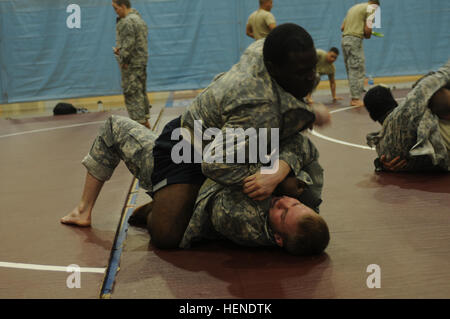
(132, 54)
(262, 21)
(357, 25)
(325, 66)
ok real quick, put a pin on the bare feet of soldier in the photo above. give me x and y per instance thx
(140, 215)
(357, 102)
(77, 218)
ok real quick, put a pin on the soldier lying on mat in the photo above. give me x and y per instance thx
(416, 134)
(220, 211)
(265, 89)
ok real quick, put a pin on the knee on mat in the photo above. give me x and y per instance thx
(163, 235)
(163, 239)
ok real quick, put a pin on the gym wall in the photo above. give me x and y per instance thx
(51, 50)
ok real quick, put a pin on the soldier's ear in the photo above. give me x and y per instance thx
(278, 239)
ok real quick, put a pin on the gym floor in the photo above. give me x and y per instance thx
(398, 222)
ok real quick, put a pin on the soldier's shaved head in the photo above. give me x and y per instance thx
(291, 59)
(125, 3)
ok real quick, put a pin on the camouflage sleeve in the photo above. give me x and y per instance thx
(127, 36)
(237, 154)
(241, 219)
(303, 157)
(427, 86)
(298, 151)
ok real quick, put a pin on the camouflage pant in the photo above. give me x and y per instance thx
(134, 84)
(354, 60)
(122, 139)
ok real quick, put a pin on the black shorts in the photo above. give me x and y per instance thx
(165, 171)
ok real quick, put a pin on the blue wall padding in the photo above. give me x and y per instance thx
(192, 40)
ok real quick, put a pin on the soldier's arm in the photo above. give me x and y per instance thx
(249, 31)
(244, 158)
(367, 32)
(368, 25)
(296, 154)
(270, 21)
(332, 81)
(417, 99)
(127, 42)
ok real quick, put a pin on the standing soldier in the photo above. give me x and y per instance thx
(132, 54)
(262, 21)
(357, 26)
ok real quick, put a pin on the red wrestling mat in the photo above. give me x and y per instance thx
(387, 229)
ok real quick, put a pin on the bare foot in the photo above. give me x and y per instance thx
(357, 103)
(140, 215)
(77, 219)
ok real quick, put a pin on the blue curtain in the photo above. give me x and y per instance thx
(190, 41)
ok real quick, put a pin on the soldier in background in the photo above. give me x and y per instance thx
(261, 22)
(325, 66)
(357, 25)
(132, 55)
(416, 134)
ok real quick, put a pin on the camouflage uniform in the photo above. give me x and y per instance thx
(131, 38)
(353, 52)
(247, 97)
(121, 138)
(226, 212)
(411, 130)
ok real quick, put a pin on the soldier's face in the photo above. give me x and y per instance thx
(331, 57)
(120, 10)
(297, 75)
(285, 213)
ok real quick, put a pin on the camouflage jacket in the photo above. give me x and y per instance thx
(131, 39)
(411, 130)
(226, 212)
(247, 97)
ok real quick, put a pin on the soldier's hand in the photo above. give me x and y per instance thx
(291, 187)
(394, 165)
(260, 186)
(323, 116)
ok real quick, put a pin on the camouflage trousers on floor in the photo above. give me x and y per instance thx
(134, 84)
(353, 51)
(122, 139)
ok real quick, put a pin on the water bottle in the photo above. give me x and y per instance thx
(99, 106)
(370, 81)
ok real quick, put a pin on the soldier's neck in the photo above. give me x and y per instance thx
(127, 11)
